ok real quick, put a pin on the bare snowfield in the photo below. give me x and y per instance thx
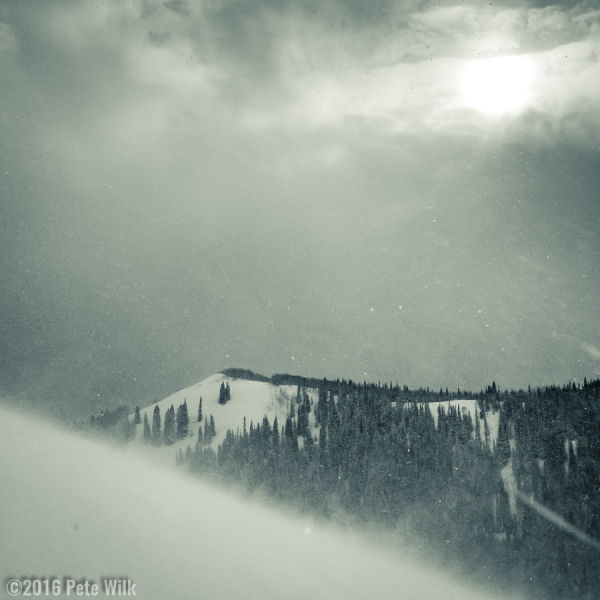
(80, 508)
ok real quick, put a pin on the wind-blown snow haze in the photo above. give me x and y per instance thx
(82, 509)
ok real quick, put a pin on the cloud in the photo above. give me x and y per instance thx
(7, 39)
(167, 176)
(592, 350)
(180, 7)
(271, 65)
(568, 79)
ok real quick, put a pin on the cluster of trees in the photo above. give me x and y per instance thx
(107, 418)
(203, 440)
(113, 423)
(224, 393)
(246, 374)
(312, 382)
(378, 454)
(206, 437)
(176, 425)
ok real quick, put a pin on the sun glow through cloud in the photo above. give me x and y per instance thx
(497, 85)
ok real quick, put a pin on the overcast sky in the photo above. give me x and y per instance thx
(320, 188)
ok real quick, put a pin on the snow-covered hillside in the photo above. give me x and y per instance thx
(78, 508)
(251, 400)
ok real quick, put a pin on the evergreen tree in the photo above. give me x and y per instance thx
(276, 439)
(156, 422)
(321, 408)
(200, 439)
(223, 394)
(136, 419)
(209, 429)
(147, 433)
(323, 448)
(291, 440)
(200, 410)
(127, 430)
(182, 420)
(169, 428)
(502, 443)
(303, 412)
(486, 431)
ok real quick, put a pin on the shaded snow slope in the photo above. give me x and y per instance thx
(77, 507)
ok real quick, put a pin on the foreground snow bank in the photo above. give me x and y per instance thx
(79, 508)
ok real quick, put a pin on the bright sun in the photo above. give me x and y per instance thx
(497, 85)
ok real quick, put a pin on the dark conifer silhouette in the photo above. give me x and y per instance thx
(147, 434)
(169, 427)
(156, 424)
(224, 393)
(182, 420)
(199, 439)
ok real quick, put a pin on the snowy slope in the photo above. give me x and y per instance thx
(253, 400)
(79, 508)
(250, 399)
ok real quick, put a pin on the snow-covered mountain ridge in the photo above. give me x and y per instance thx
(252, 400)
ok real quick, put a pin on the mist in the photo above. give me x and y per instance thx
(79, 508)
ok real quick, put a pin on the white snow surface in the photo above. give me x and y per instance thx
(81, 508)
(250, 399)
(510, 486)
